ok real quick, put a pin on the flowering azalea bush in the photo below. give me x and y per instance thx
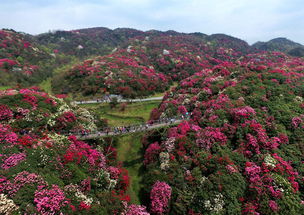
(32, 111)
(43, 171)
(241, 151)
(160, 196)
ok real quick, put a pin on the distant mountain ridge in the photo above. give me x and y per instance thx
(100, 40)
(281, 44)
(27, 59)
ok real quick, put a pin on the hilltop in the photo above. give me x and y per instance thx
(28, 60)
(281, 44)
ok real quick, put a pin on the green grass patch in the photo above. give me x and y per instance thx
(114, 120)
(5, 87)
(134, 113)
(46, 85)
(140, 109)
(130, 152)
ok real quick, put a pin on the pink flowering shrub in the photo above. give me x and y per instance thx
(298, 122)
(160, 196)
(19, 181)
(273, 205)
(243, 113)
(151, 152)
(231, 169)
(135, 210)
(258, 139)
(13, 160)
(209, 136)
(6, 135)
(50, 201)
(114, 172)
(5, 113)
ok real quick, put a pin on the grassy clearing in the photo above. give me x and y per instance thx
(46, 85)
(114, 120)
(129, 146)
(129, 152)
(134, 113)
(5, 87)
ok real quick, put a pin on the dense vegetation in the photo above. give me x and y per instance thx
(282, 45)
(45, 172)
(117, 73)
(148, 65)
(24, 62)
(240, 152)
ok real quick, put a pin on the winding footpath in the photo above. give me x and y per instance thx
(114, 131)
(118, 100)
(130, 129)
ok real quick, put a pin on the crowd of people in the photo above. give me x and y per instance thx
(131, 128)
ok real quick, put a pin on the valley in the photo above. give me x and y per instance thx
(235, 146)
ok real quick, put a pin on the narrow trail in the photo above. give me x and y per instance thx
(95, 101)
(135, 128)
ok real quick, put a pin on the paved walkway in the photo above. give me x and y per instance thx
(118, 100)
(113, 131)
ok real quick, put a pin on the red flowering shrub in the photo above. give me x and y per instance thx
(84, 206)
(246, 151)
(151, 152)
(209, 136)
(48, 173)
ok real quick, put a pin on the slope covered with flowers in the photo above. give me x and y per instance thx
(22, 60)
(45, 172)
(147, 65)
(88, 41)
(118, 73)
(181, 55)
(176, 56)
(241, 152)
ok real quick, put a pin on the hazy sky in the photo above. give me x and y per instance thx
(251, 20)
